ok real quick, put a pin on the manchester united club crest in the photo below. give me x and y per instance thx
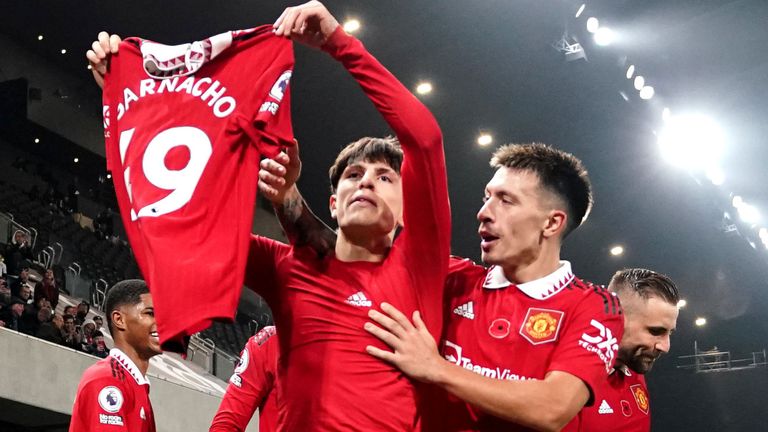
(541, 325)
(641, 397)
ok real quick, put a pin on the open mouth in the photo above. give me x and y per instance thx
(154, 335)
(487, 240)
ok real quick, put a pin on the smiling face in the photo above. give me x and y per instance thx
(516, 217)
(368, 200)
(138, 323)
(648, 325)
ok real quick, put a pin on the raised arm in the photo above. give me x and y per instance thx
(98, 56)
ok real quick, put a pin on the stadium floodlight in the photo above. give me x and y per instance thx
(592, 24)
(763, 234)
(484, 139)
(424, 88)
(604, 36)
(630, 71)
(666, 114)
(581, 10)
(681, 304)
(617, 250)
(647, 92)
(639, 82)
(692, 141)
(351, 25)
(701, 321)
(749, 213)
(39, 37)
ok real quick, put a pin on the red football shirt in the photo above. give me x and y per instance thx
(520, 332)
(251, 386)
(621, 404)
(185, 128)
(326, 380)
(113, 395)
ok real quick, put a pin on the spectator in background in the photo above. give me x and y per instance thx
(99, 321)
(18, 254)
(82, 311)
(99, 346)
(52, 331)
(33, 321)
(5, 293)
(70, 310)
(25, 295)
(71, 333)
(11, 316)
(3, 267)
(23, 278)
(88, 328)
(47, 289)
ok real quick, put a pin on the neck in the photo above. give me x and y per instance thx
(546, 263)
(140, 361)
(351, 248)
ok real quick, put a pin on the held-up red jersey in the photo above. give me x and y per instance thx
(113, 395)
(185, 127)
(251, 386)
(520, 332)
(326, 380)
(621, 404)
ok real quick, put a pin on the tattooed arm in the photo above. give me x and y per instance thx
(277, 182)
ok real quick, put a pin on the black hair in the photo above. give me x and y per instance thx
(127, 292)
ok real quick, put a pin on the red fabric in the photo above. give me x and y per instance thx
(621, 404)
(97, 391)
(490, 341)
(326, 380)
(251, 387)
(192, 248)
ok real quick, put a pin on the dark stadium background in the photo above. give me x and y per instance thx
(493, 69)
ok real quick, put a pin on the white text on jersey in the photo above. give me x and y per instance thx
(213, 93)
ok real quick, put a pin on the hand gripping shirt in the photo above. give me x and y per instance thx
(185, 127)
(505, 331)
(621, 404)
(326, 380)
(113, 395)
(251, 386)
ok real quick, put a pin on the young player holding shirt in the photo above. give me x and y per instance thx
(326, 381)
(649, 300)
(113, 394)
(526, 341)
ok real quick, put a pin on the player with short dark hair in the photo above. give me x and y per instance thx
(649, 300)
(114, 393)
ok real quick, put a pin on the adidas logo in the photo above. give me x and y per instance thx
(359, 299)
(466, 310)
(605, 408)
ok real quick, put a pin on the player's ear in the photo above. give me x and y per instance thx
(332, 205)
(556, 223)
(118, 320)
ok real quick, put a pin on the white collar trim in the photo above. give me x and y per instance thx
(128, 365)
(539, 289)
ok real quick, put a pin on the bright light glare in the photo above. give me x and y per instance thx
(681, 304)
(639, 82)
(763, 233)
(39, 37)
(630, 71)
(581, 10)
(351, 26)
(37, 140)
(63, 51)
(749, 213)
(424, 88)
(76, 160)
(604, 36)
(716, 175)
(666, 114)
(484, 139)
(617, 250)
(109, 176)
(592, 24)
(692, 141)
(647, 92)
(700, 321)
